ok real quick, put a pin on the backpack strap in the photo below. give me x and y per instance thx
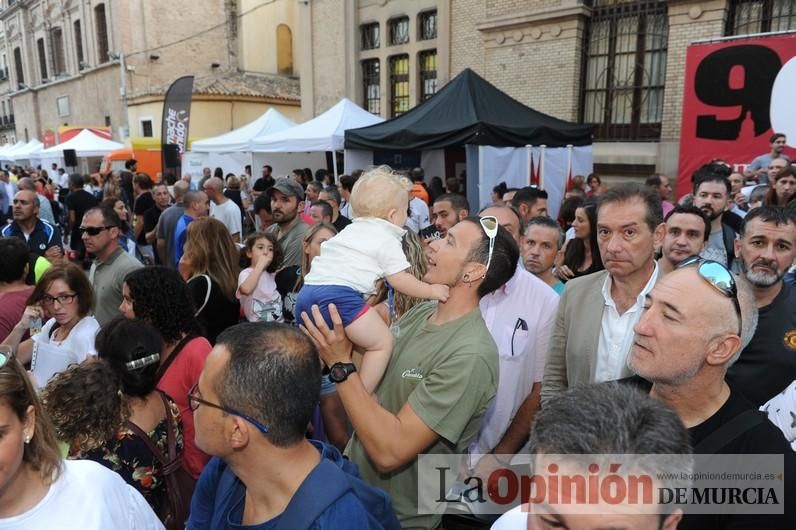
(322, 487)
(728, 432)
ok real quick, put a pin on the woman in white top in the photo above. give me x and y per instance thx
(40, 490)
(63, 294)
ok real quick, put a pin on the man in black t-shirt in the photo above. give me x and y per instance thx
(694, 326)
(767, 248)
(142, 190)
(264, 182)
(79, 201)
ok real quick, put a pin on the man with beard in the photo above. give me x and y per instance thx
(766, 248)
(712, 196)
(287, 200)
(687, 229)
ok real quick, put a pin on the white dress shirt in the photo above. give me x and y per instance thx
(520, 317)
(616, 333)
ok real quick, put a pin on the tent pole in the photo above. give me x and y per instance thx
(334, 165)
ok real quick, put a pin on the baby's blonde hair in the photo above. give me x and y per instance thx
(378, 191)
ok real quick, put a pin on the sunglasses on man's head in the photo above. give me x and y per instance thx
(490, 225)
(719, 277)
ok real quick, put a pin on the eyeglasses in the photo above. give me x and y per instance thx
(490, 225)
(194, 401)
(94, 230)
(719, 277)
(62, 299)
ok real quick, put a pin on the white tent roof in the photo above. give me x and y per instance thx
(85, 143)
(322, 133)
(8, 152)
(271, 121)
(30, 148)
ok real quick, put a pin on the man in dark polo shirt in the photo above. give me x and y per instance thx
(697, 320)
(767, 248)
(100, 229)
(43, 239)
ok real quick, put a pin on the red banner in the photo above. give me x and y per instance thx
(737, 94)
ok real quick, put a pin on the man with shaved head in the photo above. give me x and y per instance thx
(224, 209)
(696, 321)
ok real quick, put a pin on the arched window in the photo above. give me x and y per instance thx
(284, 50)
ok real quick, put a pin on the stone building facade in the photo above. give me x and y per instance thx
(107, 63)
(618, 64)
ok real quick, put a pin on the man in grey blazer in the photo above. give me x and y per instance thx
(594, 326)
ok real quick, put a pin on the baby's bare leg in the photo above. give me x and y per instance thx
(371, 334)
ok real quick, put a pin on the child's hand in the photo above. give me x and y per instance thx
(439, 292)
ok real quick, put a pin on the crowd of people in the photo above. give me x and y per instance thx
(202, 354)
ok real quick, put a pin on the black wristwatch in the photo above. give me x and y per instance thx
(339, 372)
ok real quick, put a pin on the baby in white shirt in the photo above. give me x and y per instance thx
(351, 263)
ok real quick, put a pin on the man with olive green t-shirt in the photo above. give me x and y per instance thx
(442, 375)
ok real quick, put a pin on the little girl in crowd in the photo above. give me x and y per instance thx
(351, 263)
(256, 284)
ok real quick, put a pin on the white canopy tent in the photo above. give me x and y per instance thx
(325, 132)
(85, 144)
(8, 153)
(27, 151)
(232, 151)
(271, 121)
(89, 147)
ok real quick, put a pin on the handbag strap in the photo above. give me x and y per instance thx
(176, 351)
(207, 294)
(167, 463)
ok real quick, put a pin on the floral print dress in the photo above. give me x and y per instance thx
(129, 456)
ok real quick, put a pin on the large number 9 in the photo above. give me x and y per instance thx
(712, 86)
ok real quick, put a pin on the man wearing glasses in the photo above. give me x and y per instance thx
(251, 407)
(695, 324)
(443, 373)
(43, 238)
(594, 327)
(100, 233)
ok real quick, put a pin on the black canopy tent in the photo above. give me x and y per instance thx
(468, 110)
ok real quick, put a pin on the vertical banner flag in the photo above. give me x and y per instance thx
(738, 93)
(176, 116)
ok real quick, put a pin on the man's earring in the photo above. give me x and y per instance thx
(466, 277)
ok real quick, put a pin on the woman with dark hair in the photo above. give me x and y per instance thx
(219, 173)
(566, 215)
(581, 255)
(783, 188)
(158, 295)
(103, 409)
(38, 489)
(64, 296)
(435, 189)
(497, 193)
(126, 239)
